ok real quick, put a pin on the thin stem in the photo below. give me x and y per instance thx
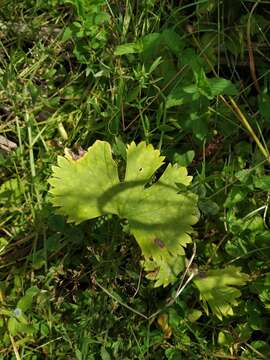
(246, 124)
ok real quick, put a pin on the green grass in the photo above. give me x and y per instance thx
(72, 72)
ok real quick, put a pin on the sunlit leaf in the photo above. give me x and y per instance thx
(159, 215)
(217, 289)
(220, 86)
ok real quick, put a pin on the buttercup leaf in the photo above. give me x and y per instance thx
(159, 216)
(217, 289)
(77, 185)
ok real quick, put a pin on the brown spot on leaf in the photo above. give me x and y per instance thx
(159, 243)
(152, 275)
(202, 274)
(80, 153)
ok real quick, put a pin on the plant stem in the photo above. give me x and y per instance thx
(246, 124)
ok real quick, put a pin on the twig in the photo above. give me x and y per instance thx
(17, 355)
(6, 144)
(139, 284)
(120, 301)
(250, 49)
(179, 290)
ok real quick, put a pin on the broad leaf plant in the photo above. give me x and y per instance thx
(160, 213)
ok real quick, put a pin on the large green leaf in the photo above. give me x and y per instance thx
(217, 289)
(159, 215)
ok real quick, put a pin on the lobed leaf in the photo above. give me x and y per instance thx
(218, 291)
(159, 216)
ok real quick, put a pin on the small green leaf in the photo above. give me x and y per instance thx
(217, 289)
(173, 354)
(194, 315)
(150, 42)
(25, 302)
(184, 159)
(208, 207)
(221, 86)
(101, 18)
(182, 95)
(260, 347)
(225, 338)
(130, 48)
(236, 195)
(3, 244)
(11, 190)
(13, 326)
(262, 287)
(245, 177)
(67, 34)
(104, 354)
(16, 326)
(202, 82)
(174, 42)
(262, 183)
(78, 354)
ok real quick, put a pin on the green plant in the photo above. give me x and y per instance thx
(159, 214)
(192, 79)
(87, 31)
